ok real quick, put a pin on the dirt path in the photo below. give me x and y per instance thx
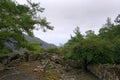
(27, 71)
(17, 75)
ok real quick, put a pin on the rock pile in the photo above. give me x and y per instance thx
(106, 71)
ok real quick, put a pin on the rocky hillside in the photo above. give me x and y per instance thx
(44, 44)
(10, 44)
(44, 66)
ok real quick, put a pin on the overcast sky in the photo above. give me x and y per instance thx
(65, 15)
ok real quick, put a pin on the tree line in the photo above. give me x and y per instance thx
(95, 48)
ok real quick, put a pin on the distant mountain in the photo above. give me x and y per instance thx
(10, 44)
(44, 44)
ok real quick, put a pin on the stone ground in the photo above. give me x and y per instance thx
(37, 70)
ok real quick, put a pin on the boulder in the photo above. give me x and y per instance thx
(31, 57)
(14, 63)
(4, 60)
(14, 57)
(2, 67)
(22, 58)
(74, 64)
(57, 59)
(26, 56)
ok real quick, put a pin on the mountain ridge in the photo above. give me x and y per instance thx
(11, 43)
(44, 44)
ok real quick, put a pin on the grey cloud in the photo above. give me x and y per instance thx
(65, 15)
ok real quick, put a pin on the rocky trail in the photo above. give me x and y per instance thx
(44, 69)
(32, 71)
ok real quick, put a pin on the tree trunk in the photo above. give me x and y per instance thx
(85, 64)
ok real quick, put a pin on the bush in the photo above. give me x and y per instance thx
(52, 50)
(4, 51)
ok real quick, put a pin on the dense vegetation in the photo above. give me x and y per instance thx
(16, 19)
(95, 48)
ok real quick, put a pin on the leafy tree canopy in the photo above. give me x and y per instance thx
(16, 19)
(96, 48)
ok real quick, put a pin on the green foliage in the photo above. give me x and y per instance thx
(109, 31)
(33, 46)
(112, 34)
(4, 51)
(16, 19)
(90, 49)
(66, 49)
(52, 50)
(93, 50)
(117, 50)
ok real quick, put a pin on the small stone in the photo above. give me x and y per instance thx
(38, 66)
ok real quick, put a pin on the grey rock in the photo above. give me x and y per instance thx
(44, 44)
(2, 67)
(4, 60)
(11, 43)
